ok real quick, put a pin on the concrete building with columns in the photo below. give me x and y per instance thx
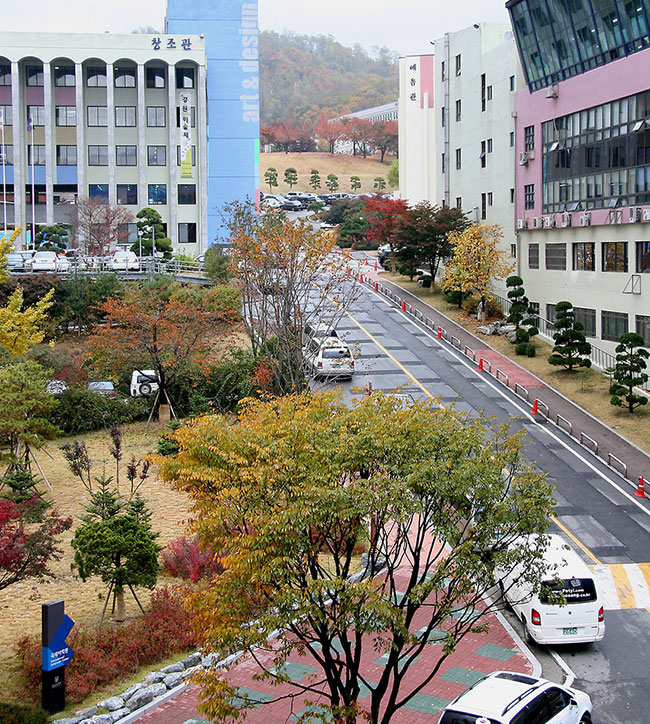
(165, 120)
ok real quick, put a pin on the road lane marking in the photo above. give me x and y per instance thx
(576, 540)
(623, 585)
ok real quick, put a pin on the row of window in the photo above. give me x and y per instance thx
(612, 324)
(97, 116)
(186, 231)
(127, 194)
(66, 155)
(613, 257)
(123, 76)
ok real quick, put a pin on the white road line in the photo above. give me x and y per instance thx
(569, 676)
(526, 413)
(639, 585)
(607, 587)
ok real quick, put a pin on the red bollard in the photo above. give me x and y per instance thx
(403, 305)
(640, 491)
(535, 411)
(439, 335)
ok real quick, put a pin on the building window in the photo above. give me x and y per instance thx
(458, 158)
(192, 116)
(555, 256)
(8, 159)
(64, 76)
(35, 155)
(643, 257)
(529, 138)
(126, 156)
(490, 199)
(5, 75)
(512, 83)
(489, 145)
(124, 77)
(459, 202)
(157, 194)
(458, 66)
(513, 251)
(156, 77)
(187, 233)
(587, 318)
(125, 116)
(442, 116)
(98, 155)
(37, 114)
(65, 116)
(584, 256)
(97, 116)
(98, 192)
(156, 155)
(66, 155)
(533, 256)
(512, 196)
(186, 194)
(127, 194)
(512, 139)
(613, 325)
(34, 75)
(458, 109)
(442, 161)
(550, 313)
(483, 206)
(128, 233)
(185, 77)
(483, 85)
(7, 114)
(489, 92)
(156, 116)
(483, 154)
(643, 328)
(614, 256)
(529, 196)
(442, 71)
(178, 155)
(96, 77)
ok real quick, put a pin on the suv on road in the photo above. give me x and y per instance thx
(508, 697)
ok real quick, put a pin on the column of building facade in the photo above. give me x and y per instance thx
(18, 136)
(202, 149)
(143, 197)
(110, 121)
(50, 150)
(82, 191)
(172, 199)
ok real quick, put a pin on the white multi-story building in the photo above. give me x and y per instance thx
(457, 130)
(106, 117)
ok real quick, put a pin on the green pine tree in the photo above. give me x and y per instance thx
(291, 177)
(314, 179)
(571, 347)
(629, 372)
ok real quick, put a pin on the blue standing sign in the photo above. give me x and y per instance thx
(55, 655)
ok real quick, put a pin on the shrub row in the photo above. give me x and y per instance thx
(12, 714)
(104, 656)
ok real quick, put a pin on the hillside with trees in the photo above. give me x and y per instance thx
(305, 76)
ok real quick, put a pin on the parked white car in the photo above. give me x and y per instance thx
(143, 383)
(42, 261)
(508, 697)
(125, 261)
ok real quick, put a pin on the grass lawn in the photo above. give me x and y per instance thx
(587, 388)
(20, 604)
(340, 164)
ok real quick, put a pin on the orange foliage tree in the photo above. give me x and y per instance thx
(384, 216)
(384, 137)
(164, 327)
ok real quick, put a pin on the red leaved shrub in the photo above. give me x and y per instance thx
(101, 657)
(187, 559)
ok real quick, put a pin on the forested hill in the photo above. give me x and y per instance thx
(302, 76)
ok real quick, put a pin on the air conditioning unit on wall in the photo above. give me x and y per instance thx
(538, 222)
(635, 214)
(549, 221)
(585, 219)
(525, 157)
(522, 223)
(646, 215)
(566, 219)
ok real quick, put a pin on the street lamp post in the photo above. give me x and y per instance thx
(140, 244)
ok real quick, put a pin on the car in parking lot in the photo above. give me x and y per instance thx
(16, 260)
(125, 261)
(508, 697)
(102, 387)
(290, 205)
(42, 261)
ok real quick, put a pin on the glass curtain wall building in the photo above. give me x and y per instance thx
(559, 39)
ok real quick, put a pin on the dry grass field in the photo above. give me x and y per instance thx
(340, 164)
(20, 604)
(587, 388)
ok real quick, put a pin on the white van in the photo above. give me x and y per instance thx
(143, 382)
(580, 620)
(328, 357)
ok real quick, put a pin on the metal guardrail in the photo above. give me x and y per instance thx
(148, 265)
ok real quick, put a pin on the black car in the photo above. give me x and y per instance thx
(290, 205)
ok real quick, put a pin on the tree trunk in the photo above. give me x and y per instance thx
(120, 614)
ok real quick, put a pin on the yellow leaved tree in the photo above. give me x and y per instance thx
(6, 245)
(476, 260)
(21, 329)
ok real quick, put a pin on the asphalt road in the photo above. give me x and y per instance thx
(595, 511)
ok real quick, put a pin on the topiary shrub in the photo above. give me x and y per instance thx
(424, 280)
(521, 348)
(13, 714)
(80, 410)
(531, 350)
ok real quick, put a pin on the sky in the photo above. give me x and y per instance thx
(405, 26)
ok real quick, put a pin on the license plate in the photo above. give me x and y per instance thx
(569, 631)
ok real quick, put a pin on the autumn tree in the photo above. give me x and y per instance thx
(271, 178)
(150, 226)
(629, 372)
(476, 261)
(357, 131)
(384, 218)
(161, 326)
(332, 182)
(288, 276)
(296, 488)
(22, 327)
(571, 347)
(314, 179)
(101, 227)
(384, 136)
(423, 235)
(330, 131)
(290, 177)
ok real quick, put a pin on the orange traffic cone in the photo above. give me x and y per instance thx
(375, 266)
(403, 305)
(535, 411)
(480, 364)
(361, 278)
(376, 286)
(640, 491)
(439, 335)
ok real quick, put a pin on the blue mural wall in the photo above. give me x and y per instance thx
(231, 33)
